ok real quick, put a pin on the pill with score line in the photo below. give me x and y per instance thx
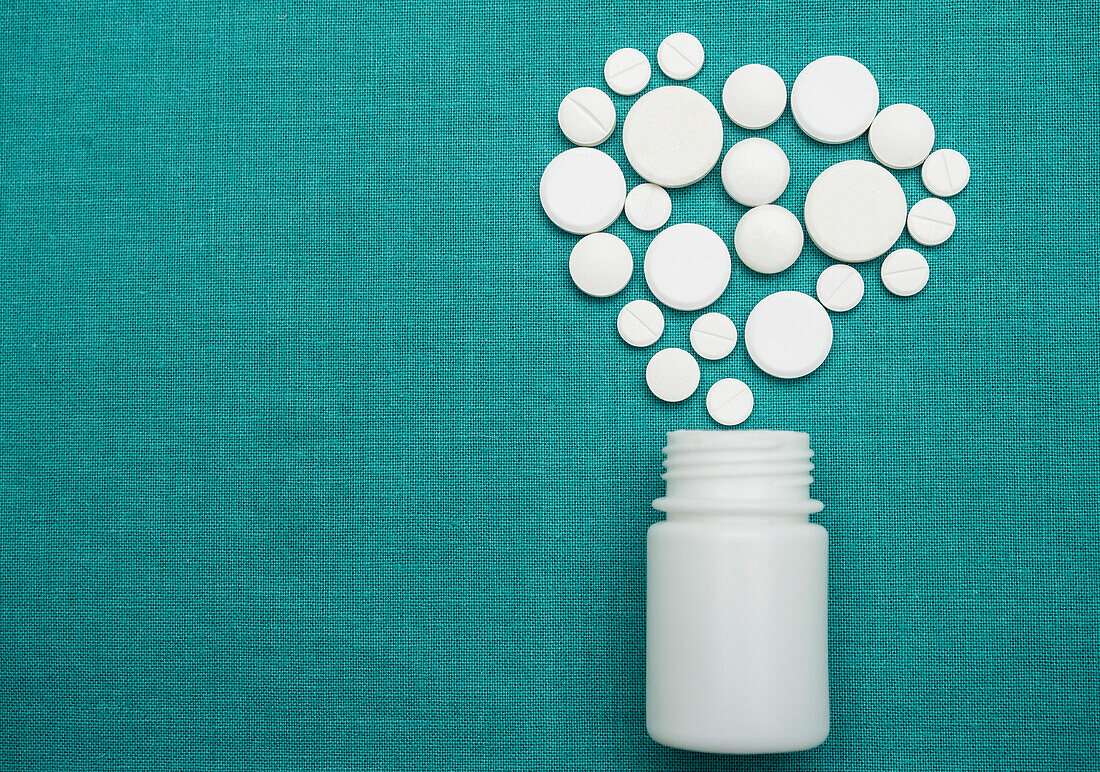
(931, 221)
(640, 323)
(713, 335)
(905, 272)
(840, 287)
(680, 56)
(945, 173)
(586, 116)
(627, 71)
(730, 401)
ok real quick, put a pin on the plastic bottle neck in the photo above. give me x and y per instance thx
(738, 473)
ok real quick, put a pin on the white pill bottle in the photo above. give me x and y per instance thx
(736, 607)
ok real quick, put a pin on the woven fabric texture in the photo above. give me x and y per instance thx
(311, 456)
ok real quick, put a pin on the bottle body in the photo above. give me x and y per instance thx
(736, 636)
(737, 593)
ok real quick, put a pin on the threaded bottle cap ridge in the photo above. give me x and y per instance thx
(738, 472)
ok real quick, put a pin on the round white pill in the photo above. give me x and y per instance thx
(672, 136)
(640, 323)
(713, 336)
(755, 171)
(672, 374)
(834, 99)
(931, 221)
(648, 206)
(905, 272)
(754, 96)
(729, 401)
(901, 136)
(788, 334)
(680, 56)
(627, 71)
(840, 287)
(586, 116)
(855, 210)
(945, 172)
(582, 190)
(768, 238)
(600, 264)
(687, 266)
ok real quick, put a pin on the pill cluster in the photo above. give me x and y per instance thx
(854, 211)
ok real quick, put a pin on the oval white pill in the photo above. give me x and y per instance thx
(627, 71)
(905, 272)
(687, 266)
(600, 264)
(901, 136)
(586, 116)
(729, 401)
(672, 374)
(672, 136)
(648, 206)
(582, 190)
(945, 172)
(788, 334)
(855, 211)
(834, 99)
(840, 287)
(931, 221)
(680, 56)
(768, 239)
(713, 336)
(754, 96)
(755, 171)
(640, 323)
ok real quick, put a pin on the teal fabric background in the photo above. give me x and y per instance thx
(311, 457)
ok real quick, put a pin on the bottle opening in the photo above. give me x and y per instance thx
(737, 472)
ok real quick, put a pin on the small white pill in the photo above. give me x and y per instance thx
(840, 287)
(680, 56)
(713, 336)
(855, 211)
(586, 116)
(754, 96)
(945, 172)
(755, 171)
(672, 374)
(627, 71)
(905, 272)
(672, 136)
(640, 323)
(648, 206)
(901, 136)
(768, 238)
(788, 334)
(931, 221)
(729, 401)
(582, 190)
(834, 99)
(687, 266)
(600, 264)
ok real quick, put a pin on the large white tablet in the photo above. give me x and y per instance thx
(855, 211)
(672, 136)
